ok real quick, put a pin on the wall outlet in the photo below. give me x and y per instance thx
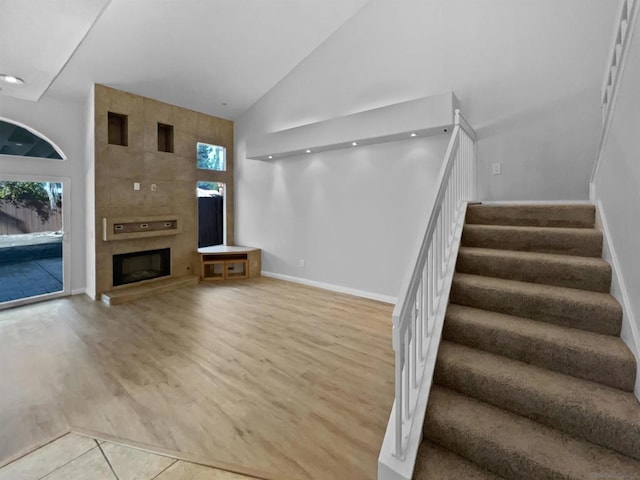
(301, 263)
(136, 186)
(153, 187)
(496, 169)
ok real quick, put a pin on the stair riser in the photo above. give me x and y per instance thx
(514, 394)
(514, 446)
(574, 216)
(579, 243)
(435, 463)
(610, 371)
(551, 411)
(559, 310)
(596, 279)
(483, 453)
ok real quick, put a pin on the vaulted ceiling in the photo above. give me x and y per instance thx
(214, 56)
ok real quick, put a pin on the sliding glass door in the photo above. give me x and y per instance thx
(32, 265)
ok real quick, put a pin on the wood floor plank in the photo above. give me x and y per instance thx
(280, 378)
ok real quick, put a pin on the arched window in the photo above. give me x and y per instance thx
(18, 140)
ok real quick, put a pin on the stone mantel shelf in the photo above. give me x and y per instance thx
(127, 228)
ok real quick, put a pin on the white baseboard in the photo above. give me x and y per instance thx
(78, 291)
(630, 335)
(333, 288)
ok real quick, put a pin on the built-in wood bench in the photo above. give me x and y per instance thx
(226, 262)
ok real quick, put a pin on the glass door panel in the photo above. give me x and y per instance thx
(31, 240)
(211, 212)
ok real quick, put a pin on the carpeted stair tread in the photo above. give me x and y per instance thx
(593, 412)
(585, 242)
(585, 273)
(591, 356)
(573, 216)
(515, 447)
(532, 380)
(436, 463)
(593, 311)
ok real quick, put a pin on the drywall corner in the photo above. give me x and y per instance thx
(90, 195)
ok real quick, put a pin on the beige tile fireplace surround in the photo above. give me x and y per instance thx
(144, 141)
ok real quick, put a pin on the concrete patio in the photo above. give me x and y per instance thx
(30, 265)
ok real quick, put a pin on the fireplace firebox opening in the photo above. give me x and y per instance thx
(138, 266)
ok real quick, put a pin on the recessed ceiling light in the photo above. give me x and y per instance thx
(414, 134)
(270, 157)
(355, 144)
(11, 79)
(308, 151)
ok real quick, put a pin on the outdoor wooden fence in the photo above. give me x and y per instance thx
(19, 220)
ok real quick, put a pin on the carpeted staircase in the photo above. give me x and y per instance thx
(532, 380)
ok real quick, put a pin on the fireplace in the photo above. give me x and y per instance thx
(138, 266)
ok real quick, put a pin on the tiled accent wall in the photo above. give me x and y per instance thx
(174, 174)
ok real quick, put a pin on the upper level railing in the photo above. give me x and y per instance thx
(419, 312)
(623, 30)
(615, 55)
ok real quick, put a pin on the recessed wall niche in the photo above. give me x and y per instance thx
(165, 138)
(117, 129)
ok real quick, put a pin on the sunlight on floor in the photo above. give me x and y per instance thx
(75, 457)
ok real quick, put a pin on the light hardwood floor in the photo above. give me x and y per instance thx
(278, 379)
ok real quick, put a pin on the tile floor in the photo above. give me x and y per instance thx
(30, 278)
(75, 457)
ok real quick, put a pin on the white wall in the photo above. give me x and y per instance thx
(617, 189)
(63, 124)
(352, 215)
(527, 75)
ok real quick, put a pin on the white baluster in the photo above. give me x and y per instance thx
(414, 345)
(399, 403)
(431, 272)
(405, 380)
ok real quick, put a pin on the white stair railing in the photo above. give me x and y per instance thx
(618, 52)
(419, 312)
